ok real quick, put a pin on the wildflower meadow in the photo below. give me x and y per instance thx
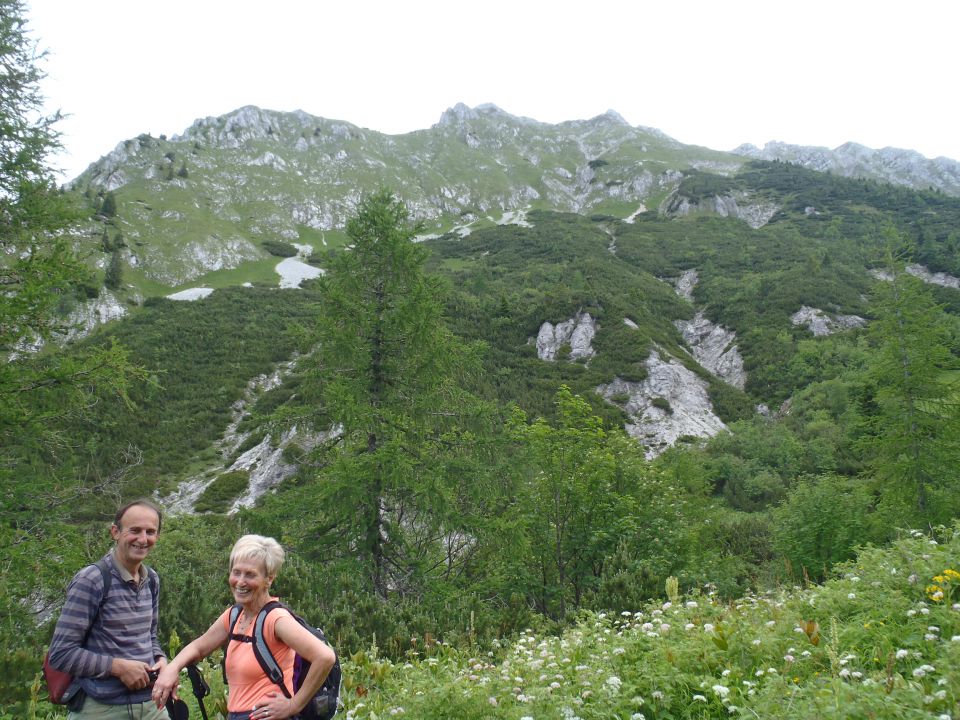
(881, 639)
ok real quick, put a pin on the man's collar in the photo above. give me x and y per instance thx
(125, 574)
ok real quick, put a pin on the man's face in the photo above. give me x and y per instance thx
(136, 536)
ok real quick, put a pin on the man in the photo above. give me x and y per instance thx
(108, 642)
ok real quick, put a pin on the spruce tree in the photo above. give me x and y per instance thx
(114, 275)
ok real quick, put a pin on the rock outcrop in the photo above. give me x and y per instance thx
(820, 323)
(933, 278)
(577, 332)
(672, 402)
(740, 205)
(713, 346)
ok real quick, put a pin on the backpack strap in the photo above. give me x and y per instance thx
(234, 617)
(107, 575)
(261, 650)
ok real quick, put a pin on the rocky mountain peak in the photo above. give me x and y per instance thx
(457, 115)
(889, 164)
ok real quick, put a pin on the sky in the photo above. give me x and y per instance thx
(705, 72)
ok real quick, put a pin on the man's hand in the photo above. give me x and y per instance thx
(132, 673)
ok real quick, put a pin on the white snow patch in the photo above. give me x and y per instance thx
(515, 217)
(294, 270)
(191, 294)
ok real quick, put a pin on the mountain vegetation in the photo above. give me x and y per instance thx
(577, 421)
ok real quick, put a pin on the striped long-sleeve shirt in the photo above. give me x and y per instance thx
(124, 627)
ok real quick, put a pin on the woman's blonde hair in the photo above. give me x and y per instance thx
(257, 547)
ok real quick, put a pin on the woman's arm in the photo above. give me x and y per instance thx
(311, 648)
(168, 680)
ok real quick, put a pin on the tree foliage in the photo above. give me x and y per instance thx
(39, 272)
(387, 372)
(910, 402)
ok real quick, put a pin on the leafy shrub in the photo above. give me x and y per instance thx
(663, 404)
(280, 249)
(221, 493)
(821, 522)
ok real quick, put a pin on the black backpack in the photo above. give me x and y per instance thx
(325, 703)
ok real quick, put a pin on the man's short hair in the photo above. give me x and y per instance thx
(118, 518)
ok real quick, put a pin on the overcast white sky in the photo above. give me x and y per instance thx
(705, 72)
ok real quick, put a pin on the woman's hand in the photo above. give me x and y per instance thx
(276, 707)
(165, 686)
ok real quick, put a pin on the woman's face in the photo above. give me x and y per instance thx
(249, 582)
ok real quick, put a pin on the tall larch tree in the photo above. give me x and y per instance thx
(389, 373)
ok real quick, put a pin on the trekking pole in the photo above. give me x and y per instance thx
(200, 687)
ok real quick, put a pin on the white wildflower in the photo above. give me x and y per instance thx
(699, 698)
(901, 654)
(721, 690)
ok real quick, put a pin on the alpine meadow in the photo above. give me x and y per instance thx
(565, 421)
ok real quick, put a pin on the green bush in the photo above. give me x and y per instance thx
(280, 249)
(220, 494)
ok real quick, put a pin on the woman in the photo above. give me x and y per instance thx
(254, 563)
